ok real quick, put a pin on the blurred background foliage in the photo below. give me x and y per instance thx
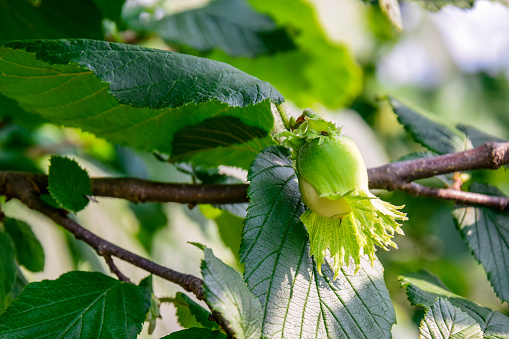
(336, 56)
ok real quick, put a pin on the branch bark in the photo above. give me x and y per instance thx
(394, 176)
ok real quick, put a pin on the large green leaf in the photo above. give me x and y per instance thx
(196, 333)
(315, 72)
(431, 133)
(7, 268)
(486, 232)
(78, 304)
(423, 289)
(230, 25)
(228, 294)
(29, 251)
(444, 321)
(79, 83)
(297, 300)
(50, 19)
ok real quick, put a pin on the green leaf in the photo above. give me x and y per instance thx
(228, 294)
(50, 19)
(429, 132)
(195, 333)
(444, 321)
(69, 184)
(175, 91)
(78, 304)
(191, 314)
(423, 288)
(230, 25)
(486, 232)
(297, 300)
(315, 72)
(478, 137)
(7, 268)
(29, 251)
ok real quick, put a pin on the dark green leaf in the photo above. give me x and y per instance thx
(29, 251)
(444, 321)
(423, 288)
(196, 333)
(486, 232)
(228, 294)
(197, 89)
(50, 19)
(78, 304)
(191, 314)
(7, 268)
(69, 184)
(478, 137)
(431, 133)
(297, 300)
(317, 71)
(230, 25)
(146, 77)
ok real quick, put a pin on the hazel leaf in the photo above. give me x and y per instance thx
(69, 184)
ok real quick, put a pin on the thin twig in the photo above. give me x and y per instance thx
(114, 269)
(461, 197)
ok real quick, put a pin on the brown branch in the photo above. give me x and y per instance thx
(467, 198)
(393, 176)
(26, 188)
(491, 155)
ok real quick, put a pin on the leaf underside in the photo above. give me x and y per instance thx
(29, 251)
(140, 97)
(297, 300)
(228, 294)
(444, 321)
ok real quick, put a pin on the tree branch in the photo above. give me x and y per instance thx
(25, 188)
(393, 176)
(491, 155)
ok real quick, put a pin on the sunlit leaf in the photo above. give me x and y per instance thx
(228, 294)
(444, 321)
(298, 301)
